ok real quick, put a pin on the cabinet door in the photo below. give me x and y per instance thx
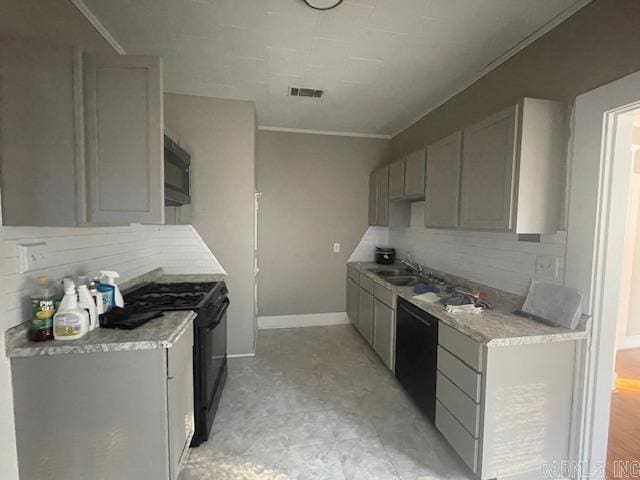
(365, 315)
(180, 400)
(40, 118)
(488, 167)
(352, 301)
(383, 197)
(414, 174)
(396, 180)
(384, 332)
(124, 126)
(373, 198)
(442, 190)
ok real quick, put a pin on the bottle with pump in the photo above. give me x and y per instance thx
(85, 301)
(97, 298)
(110, 291)
(70, 321)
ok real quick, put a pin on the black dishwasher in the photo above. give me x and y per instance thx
(417, 355)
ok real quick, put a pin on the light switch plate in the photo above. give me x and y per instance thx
(336, 247)
(32, 256)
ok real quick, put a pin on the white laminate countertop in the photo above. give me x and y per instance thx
(495, 327)
(159, 333)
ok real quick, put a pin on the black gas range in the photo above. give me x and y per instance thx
(210, 302)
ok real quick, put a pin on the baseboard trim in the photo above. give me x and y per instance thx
(241, 355)
(632, 341)
(302, 320)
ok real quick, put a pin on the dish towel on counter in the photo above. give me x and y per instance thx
(468, 308)
(429, 297)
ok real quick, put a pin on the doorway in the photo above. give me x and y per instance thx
(600, 205)
(624, 419)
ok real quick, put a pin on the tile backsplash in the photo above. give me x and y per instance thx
(131, 251)
(495, 259)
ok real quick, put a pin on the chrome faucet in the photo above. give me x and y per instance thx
(408, 262)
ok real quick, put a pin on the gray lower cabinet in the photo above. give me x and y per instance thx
(125, 415)
(384, 332)
(442, 191)
(84, 129)
(353, 293)
(505, 409)
(365, 315)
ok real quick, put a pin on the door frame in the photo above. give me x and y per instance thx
(598, 199)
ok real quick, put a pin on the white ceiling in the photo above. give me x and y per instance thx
(383, 63)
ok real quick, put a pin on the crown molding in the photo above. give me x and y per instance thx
(547, 27)
(324, 132)
(98, 25)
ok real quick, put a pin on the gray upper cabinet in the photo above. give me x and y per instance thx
(414, 175)
(383, 197)
(39, 113)
(373, 198)
(81, 137)
(124, 138)
(512, 169)
(488, 163)
(442, 190)
(396, 180)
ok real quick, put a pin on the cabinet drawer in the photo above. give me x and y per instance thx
(385, 295)
(463, 376)
(180, 354)
(366, 283)
(464, 444)
(466, 411)
(353, 274)
(463, 347)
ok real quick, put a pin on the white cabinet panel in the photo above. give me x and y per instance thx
(180, 401)
(488, 166)
(383, 197)
(124, 127)
(414, 175)
(365, 315)
(442, 192)
(384, 333)
(396, 180)
(353, 292)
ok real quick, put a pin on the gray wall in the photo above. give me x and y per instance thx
(597, 45)
(314, 192)
(220, 135)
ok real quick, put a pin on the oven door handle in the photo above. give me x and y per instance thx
(221, 312)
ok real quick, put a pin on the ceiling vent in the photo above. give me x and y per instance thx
(305, 92)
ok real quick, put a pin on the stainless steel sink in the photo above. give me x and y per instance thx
(395, 272)
(403, 281)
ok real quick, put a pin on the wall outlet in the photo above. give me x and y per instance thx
(32, 256)
(336, 247)
(547, 266)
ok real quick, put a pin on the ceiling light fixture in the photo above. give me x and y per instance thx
(323, 4)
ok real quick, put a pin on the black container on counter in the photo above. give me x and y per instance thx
(385, 255)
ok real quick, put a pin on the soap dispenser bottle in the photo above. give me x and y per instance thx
(70, 321)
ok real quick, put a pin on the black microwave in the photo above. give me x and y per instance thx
(177, 174)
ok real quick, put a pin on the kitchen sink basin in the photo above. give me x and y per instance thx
(389, 273)
(403, 281)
